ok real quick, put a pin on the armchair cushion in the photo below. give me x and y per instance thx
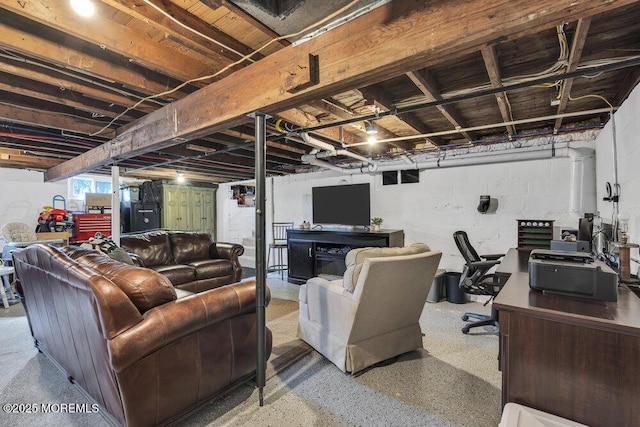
(355, 259)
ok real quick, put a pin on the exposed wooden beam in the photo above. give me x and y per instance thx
(427, 85)
(582, 28)
(31, 45)
(493, 69)
(112, 36)
(366, 50)
(24, 115)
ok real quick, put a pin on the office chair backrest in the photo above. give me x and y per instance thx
(279, 230)
(462, 242)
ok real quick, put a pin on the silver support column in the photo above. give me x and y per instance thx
(261, 271)
(115, 204)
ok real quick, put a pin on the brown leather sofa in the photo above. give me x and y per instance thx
(190, 260)
(119, 332)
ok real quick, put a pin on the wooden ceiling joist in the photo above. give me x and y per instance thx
(24, 43)
(493, 69)
(427, 85)
(40, 118)
(114, 37)
(383, 101)
(180, 33)
(574, 59)
(373, 47)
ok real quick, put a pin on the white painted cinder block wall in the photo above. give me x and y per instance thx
(445, 200)
(627, 140)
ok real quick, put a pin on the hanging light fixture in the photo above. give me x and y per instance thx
(371, 128)
(83, 7)
(180, 177)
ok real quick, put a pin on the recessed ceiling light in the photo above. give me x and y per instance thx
(83, 7)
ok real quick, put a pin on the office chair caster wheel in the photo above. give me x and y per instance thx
(465, 330)
(465, 318)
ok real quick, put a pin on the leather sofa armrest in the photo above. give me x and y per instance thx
(230, 251)
(177, 319)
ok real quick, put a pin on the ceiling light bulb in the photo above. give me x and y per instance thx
(180, 177)
(372, 139)
(83, 7)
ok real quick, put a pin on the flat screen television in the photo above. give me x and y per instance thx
(342, 204)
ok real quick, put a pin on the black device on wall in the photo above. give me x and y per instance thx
(342, 204)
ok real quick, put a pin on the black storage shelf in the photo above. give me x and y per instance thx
(534, 234)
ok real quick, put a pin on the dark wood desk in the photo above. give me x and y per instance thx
(572, 357)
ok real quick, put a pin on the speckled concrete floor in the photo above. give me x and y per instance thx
(454, 381)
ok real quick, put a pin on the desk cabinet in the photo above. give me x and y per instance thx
(571, 357)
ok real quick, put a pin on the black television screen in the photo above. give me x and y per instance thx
(341, 204)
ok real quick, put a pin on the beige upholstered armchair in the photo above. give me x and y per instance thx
(372, 313)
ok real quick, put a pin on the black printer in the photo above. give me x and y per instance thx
(576, 274)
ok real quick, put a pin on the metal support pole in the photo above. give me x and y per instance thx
(261, 274)
(115, 204)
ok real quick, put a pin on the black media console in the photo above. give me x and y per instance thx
(321, 253)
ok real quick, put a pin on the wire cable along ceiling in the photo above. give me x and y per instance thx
(69, 89)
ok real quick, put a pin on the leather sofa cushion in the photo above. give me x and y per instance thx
(152, 248)
(209, 268)
(190, 246)
(144, 287)
(356, 257)
(177, 274)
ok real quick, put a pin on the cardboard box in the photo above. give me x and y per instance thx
(97, 199)
(64, 235)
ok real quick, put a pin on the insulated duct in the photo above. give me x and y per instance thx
(329, 151)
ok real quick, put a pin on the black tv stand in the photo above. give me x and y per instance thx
(322, 252)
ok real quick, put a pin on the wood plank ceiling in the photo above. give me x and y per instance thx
(72, 86)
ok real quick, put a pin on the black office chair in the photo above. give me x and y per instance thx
(476, 280)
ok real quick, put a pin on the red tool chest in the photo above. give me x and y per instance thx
(88, 224)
